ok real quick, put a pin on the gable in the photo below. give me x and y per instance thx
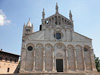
(36, 35)
(79, 37)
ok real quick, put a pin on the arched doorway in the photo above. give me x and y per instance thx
(59, 57)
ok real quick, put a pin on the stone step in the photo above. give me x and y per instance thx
(53, 74)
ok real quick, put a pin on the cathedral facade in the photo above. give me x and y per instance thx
(56, 47)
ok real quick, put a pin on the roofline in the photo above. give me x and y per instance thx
(83, 35)
(11, 53)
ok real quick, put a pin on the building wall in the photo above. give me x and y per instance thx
(45, 54)
(5, 65)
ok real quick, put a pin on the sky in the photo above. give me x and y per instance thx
(14, 13)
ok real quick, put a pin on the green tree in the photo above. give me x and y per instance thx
(97, 63)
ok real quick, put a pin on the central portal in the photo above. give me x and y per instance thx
(59, 65)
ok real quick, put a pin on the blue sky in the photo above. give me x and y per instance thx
(14, 13)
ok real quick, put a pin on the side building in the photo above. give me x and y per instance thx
(8, 62)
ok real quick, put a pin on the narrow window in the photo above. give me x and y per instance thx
(6, 59)
(8, 69)
(0, 58)
(28, 30)
(15, 60)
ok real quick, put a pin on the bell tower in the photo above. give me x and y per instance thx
(28, 28)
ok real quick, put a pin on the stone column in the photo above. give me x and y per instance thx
(34, 62)
(75, 59)
(65, 34)
(83, 59)
(43, 60)
(66, 59)
(92, 60)
(53, 66)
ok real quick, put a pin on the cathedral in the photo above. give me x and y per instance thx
(56, 47)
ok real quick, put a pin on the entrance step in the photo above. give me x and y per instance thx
(53, 74)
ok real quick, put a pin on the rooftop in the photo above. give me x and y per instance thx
(1, 51)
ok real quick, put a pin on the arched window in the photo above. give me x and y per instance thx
(10, 60)
(0, 58)
(8, 69)
(6, 59)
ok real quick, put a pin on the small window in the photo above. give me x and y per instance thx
(28, 30)
(10, 60)
(57, 35)
(6, 59)
(0, 58)
(8, 69)
(85, 49)
(15, 60)
(56, 22)
(30, 48)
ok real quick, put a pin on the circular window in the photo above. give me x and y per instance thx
(85, 49)
(57, 35)
(30, 48)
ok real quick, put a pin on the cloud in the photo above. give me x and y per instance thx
(3, 19)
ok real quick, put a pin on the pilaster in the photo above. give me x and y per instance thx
(75, 59)
(43, 60)
(66, 60)
(34, 62)
(92, 61)
(53, 69)
(83, 59)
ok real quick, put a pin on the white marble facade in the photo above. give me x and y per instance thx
(56, 39)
